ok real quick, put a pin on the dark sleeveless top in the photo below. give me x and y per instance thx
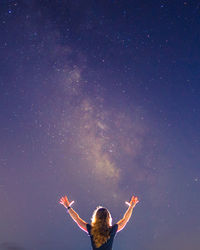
(108, 244)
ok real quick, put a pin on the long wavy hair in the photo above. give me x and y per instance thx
(101, 225)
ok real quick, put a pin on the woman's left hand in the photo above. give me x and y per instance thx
(65, 202)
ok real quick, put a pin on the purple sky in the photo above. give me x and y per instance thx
(99, 100)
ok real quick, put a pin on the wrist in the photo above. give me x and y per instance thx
(68, 207)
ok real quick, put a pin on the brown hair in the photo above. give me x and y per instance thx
(101, 225)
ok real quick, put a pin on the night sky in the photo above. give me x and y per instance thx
(99, 100)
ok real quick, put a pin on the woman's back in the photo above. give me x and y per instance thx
(108, 244)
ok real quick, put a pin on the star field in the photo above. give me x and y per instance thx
(99, 100)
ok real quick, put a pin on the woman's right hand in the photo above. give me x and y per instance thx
(134, 200)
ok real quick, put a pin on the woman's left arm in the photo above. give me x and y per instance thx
(81, 223)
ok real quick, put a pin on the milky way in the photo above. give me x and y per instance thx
(99, 100)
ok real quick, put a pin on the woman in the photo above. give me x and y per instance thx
(101, 231)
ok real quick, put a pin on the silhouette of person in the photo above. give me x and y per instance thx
(100, 230)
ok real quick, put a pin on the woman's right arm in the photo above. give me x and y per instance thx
(122, 223)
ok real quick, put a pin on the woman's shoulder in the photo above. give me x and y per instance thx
(89, 227)
(114, 228)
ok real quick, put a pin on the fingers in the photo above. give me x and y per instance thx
(133, 202)
(134, 199)
(64, 201)
(61, 201)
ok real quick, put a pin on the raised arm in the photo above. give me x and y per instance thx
(122, 223)
(81, 223)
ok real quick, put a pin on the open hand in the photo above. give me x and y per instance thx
(134, 200)
(65, 202)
